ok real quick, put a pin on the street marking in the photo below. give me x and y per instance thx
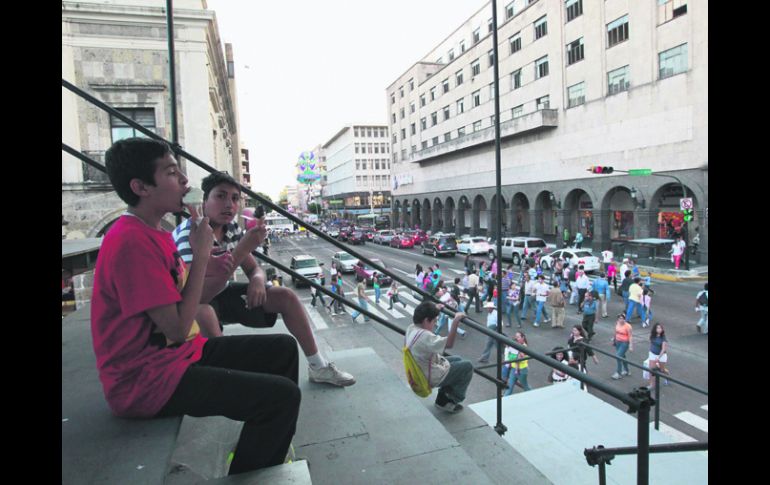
(402, 271)
(705, 407)
(410, 298)
(393, 312)
(315, 317)
(694, 420)
(673, 433)
(457, 271)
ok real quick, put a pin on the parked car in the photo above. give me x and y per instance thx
(305, 265)
(344, 233)
(356, 237)
(345, 261)
(473, 245)
(574, 256)
(364, 272)
(436, 245)
(383, 237)
(513, 247)
(401, 241)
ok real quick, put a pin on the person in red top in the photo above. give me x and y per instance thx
(151, 357)
(623, 342)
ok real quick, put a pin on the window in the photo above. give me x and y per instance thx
(412, 107)
(575, 51)
(491, 90)
(355, 130)
(541, 67)
(574, 9)
(393, 98)
(670, 9)
(423, 124)
(459, 77)
(491, 57)
(432, 94)
(476, 98)
(435, 140)
(516, 79)
(393, 117)
(492, 120)
(422, 100)
(509, 11)
(477, 125)
(673, 61)
(543, 103)
(475, 68)
(402, 115)
(618, 80)
(369, 130)
(515, 42)
(401, 92)
(403, 157)
(121, 130)
(434, 118)
(446, 112)
(461, 131)
(451, 55)
(440, 60)
(462, 46)
(413, 129)
(517, 111)
(461, 105)
(617, 31)
(377, 147)
(411, 85)
(576, 95)
(376, 133)
(476, 36)
(356, 146)
(490, 26)
(424, 145)
(414, 148)
(358, 164)
(447, 136)
(541, 27)
(445, 85)
(403, 133)
(395, 138)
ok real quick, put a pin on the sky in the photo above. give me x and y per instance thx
(304, 69)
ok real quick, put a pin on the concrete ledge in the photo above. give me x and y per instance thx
(292, 473)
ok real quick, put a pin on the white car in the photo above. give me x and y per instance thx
(305, 265)
(345, 261)
(383, 237)
(473, 245)
(333, 232)
(574, 256)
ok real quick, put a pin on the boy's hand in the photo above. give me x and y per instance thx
(258, 233)
(201, 238)
(459, 316)
(220, 264)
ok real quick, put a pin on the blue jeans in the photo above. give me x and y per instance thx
(625, 298)
(540, 309)
(513, 377)
(703, 323)
(442, 320)
(512, 307)
(529, 301)
(377, 293)
(362, 304)
(639, 309)
(491, 343)
(457, 380)
(620, 351)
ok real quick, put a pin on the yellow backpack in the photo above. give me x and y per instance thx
(417, 381)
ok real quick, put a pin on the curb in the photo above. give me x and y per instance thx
(677, 279)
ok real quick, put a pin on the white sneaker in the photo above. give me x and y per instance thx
(331, 375)
(616, 376)
(450, 407)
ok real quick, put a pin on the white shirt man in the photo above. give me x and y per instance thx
(582, 281)
(607, 256)
(542, 290)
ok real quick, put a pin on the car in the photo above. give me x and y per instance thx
(305, 265)
(356, 237)
(333, 232)
(513, 248)
(401, 241)
(344, 233)
(440, 245)
(574, 256)
(345, 261)
(418, 236)
(369, 233)
(364, 272)
(383, 237)
(473, 245)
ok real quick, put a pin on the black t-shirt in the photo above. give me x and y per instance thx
(626, 284)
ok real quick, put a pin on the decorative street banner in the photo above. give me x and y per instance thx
(308, 168)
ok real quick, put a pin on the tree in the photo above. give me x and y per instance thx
(253, 202)
(314, 208)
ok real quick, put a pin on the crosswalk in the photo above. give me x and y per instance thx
(399, 310)
(690, 418)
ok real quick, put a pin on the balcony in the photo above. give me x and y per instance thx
(526, 124)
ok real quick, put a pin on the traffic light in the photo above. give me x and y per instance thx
(687, 213)
(600, 170)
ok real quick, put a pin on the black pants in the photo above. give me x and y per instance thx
(473, 293)
(250, 378)
(588, 325)
(319, 295)
(230, 306)
(581, 298)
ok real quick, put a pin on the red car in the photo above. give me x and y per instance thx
(418, 236)
(402, 241)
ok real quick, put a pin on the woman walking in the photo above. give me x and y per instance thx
(520, 369)
(623, 342)
(647, 304)
(658, 356)
(419, 275)
(556, 375)
(578, 356)
(393, 295)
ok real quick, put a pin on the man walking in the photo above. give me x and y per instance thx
(581, 283)
(578, 239)
(565, 237)
(602, 287)
(635, 301)
(541, 295)
(473, 290)
(589, 315)
(362, 298)
(556, 301)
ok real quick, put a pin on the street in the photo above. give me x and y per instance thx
(683, 412)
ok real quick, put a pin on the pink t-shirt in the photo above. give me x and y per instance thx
(138, 268)
(611, 270)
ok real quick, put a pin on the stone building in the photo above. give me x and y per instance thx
(118, 52)
(581, 83)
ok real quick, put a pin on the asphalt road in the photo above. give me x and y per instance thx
(684, 412)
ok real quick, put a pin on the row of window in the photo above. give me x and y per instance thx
(371, 147)
(378, 180)
(370, 132)
(373, 164)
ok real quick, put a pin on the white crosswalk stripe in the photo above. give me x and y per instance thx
(673, 433)
(705, 407)
(409, 298)
(694, 420)
(315, 317)
(384, 303)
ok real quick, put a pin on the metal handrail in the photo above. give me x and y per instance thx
(599, 455)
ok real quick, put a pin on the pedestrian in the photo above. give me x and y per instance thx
(451, 374)
(468, 263)
(602, 287)
(362, 299)
(392, 294)
(321, 280)
(556, 301)
(565, 237)
(512, 303)
(634, 269)
(577, 353)
(376, 286)
(581, 283)
(573, 291)
(695, 242)
(702, 306)
(483, 270)
(559, 355)
(625, 285)
(635, 293)
(623, 268)
(612, 272)
(589, 315)
(419, 276)
(491, 284)
(623, 342)
(606, 258)
(541, 295)
(658, 356)
(332, 308)
(530, 296)
(473, 290)
(564, 283)
(647, 306)
(578, 239)
(520, 369)
(677, 250)
(492, 325)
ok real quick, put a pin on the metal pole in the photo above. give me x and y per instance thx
(172, 68)
(643, 435)
(657, 399)
(602, 473)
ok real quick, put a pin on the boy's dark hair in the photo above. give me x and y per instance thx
(214, 179)
(426, 309)
(457, 280)
(133, 158)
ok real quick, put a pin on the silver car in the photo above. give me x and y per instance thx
(345, 261)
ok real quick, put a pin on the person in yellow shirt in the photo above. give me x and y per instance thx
(635, 292)
(520, 369)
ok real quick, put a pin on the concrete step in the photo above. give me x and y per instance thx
(293, 473)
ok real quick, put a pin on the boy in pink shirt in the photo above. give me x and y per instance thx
(151, 357)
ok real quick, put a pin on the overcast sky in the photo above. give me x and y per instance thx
(304, 69)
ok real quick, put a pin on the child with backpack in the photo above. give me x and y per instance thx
(427, 368)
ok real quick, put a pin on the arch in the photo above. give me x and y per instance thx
(406, 214)
(492, 213)
(519, 224)
(579, 214)
(438, 215)
(619, 207)
(666, 221)
(450, 218)
(545, 220)
(479, 218)
(396, 212)
(463, 216)
(101, 226)
(426, 215)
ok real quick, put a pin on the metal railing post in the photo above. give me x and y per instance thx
(643, 434)
(657, 400)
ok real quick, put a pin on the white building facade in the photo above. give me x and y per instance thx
(358, 165)
(616, 83)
